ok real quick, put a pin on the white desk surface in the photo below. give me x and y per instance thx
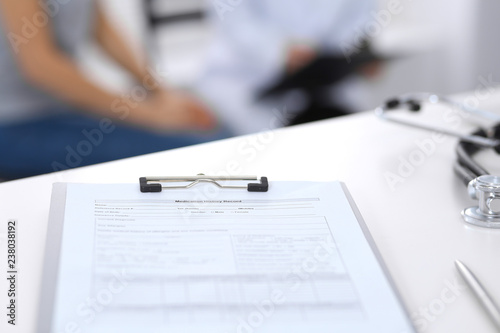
(417, 226)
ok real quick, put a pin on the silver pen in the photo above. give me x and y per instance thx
(481, 293)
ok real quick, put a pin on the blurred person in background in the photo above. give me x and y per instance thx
(53, 118)
(263, 48)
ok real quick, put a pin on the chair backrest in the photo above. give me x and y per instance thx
(161, 12)
(179, 35)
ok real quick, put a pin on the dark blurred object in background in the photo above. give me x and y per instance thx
(316, 78)
(271, 48)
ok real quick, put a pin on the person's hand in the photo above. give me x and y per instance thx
(175, 111)
(372, 69)
(299, 56)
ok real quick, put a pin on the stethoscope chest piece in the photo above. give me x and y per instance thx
(481, 185)
(485, 189)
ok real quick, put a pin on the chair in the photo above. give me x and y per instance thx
(178, 36)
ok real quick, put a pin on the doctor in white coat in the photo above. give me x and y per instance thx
(256, 41)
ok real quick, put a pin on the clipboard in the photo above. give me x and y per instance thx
(64, 194)
(157, 184)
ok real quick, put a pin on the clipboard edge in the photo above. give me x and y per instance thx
(377, 254)
(53, 240)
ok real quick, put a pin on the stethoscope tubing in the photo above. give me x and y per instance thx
(481, 185)
(465, 166)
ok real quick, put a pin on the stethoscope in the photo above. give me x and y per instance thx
(480, 184)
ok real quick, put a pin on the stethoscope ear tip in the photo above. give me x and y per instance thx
(392, 103)
(414, 106)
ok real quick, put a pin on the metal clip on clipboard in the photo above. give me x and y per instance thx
(157, 184)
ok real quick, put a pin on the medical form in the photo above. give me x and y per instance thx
(295, 259)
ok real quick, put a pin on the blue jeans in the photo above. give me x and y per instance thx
(69, 140)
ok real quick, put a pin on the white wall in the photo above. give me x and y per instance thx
(438, 38)
(487, 42)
